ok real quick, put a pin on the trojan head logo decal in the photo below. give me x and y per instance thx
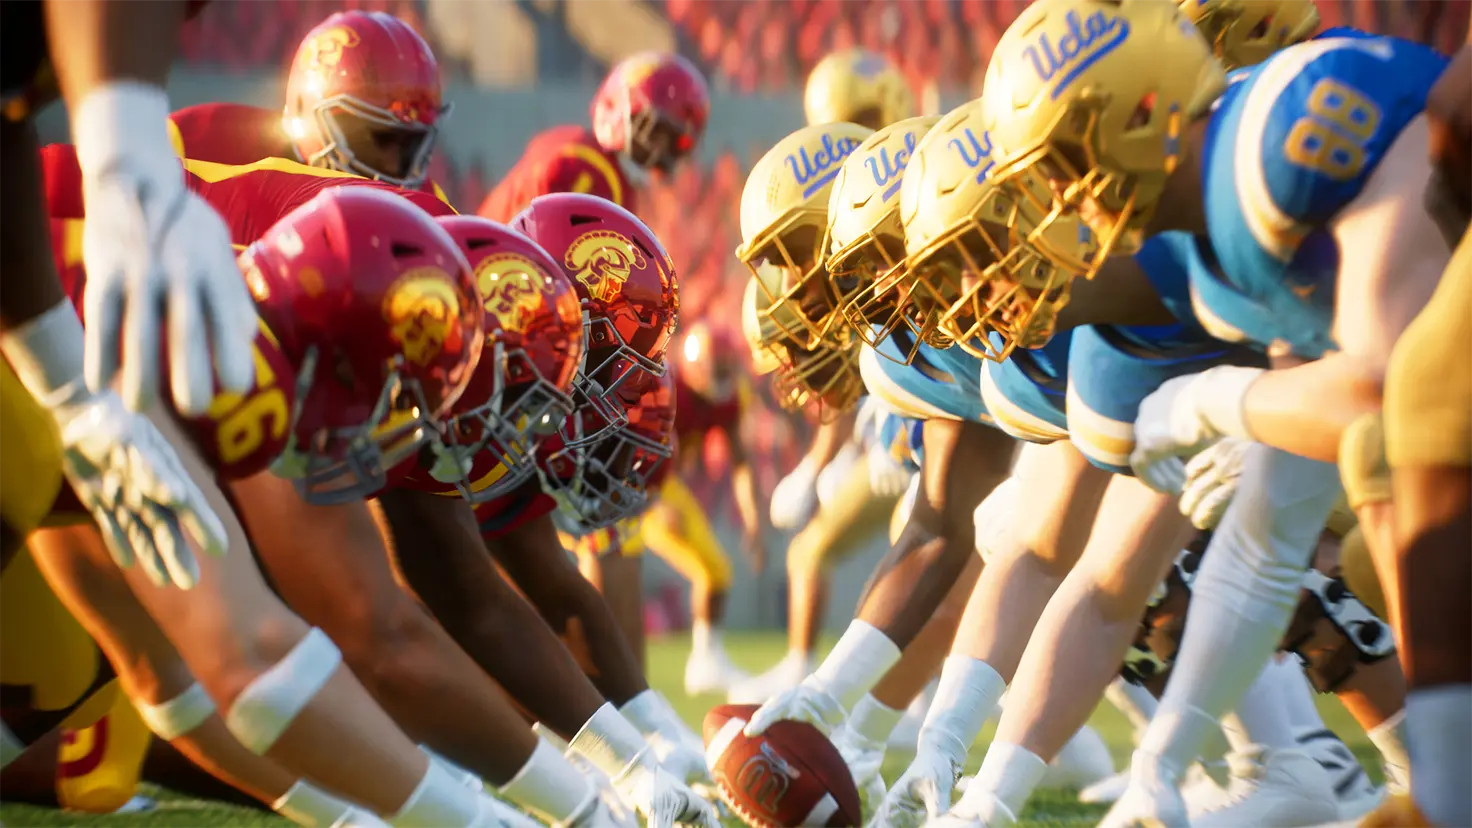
(423, 314)
(324, 49)
(603, 260)
(508, 286)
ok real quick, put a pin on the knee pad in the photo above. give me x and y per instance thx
(178, 716)
(1362, 463)
(1360, 637)
(1153, 652)
(268, 705)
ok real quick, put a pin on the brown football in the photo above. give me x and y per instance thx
(789, 776)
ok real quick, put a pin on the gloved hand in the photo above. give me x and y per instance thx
(1185, 415)
(922, 792)
(676, 747)
(808, 702)
(1152, 799)
(123, 470)
(864, 758)
(1211, 481)
(795, 497)
(158, 259)
(611, 744)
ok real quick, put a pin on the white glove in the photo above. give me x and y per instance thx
(865, 758)
(123, 470)
(831, 478)
(888, 477)
(1211, 481)
(604, 809)
(158, 260)
(808, 702)
(1152, 799)
(677, 748)
(795, 497)
(617, 749)
(922, 792)
(1184, 416)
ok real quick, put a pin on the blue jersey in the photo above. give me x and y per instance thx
(1290, 144)
(1026, 393)
(936, 384)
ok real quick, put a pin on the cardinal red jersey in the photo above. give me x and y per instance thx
(499, 516)
(241, 434)
(238, 134)
(250, 198)
(565, 159)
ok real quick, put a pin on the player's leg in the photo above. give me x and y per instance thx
(1083, 632)
(150, 669)
(331, 565)
(678, 531)
(615, 567)
(1428, 442)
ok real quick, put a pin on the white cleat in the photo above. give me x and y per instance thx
(1105, 791)
(711, 672)
(781, 677)
(1083, 761)
(1354, 792)
(1273, 789)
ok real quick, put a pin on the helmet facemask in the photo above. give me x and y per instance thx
(367, 123)
(343, 464)
(605, 481)
(870, 276)
(613, 374)
(798, 299)
(523, 408)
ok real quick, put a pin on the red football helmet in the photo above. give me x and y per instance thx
(630, 300)
(599, 484)
(520, 391)
(652, 107)
(378, 72)
(375, 305)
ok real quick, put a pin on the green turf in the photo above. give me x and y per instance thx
(752, 651)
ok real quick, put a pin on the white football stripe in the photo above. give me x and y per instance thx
(722, 740)
(822, 812)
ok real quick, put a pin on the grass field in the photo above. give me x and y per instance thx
(753, 651)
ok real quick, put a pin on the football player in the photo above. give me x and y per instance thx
(841, 491)
(110, 67)
(284, 700)
(649, 114)
(363, 95)
(1283, 498)
(1427, 451)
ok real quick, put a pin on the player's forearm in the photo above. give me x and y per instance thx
(1304, 410)
(93, 42)
(581, 613)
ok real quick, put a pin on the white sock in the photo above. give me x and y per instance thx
(1134, 701)
(439, 799)
(1263, 711)
(310, 806)
(1439, 734)
(702, 637)
(1007, 777)
(1389, 737)
(1302, 711)
(1244, 593)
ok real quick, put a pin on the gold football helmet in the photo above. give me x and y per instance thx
(860, 87)
(865, 245)
(1091, 99)
(1247, 32)
(823, 378)
(967, 269)
(784, 212)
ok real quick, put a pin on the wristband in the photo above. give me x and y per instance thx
(858, 661)
(549, 785)
(47, 354)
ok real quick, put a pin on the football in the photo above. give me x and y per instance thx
(789, 776)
